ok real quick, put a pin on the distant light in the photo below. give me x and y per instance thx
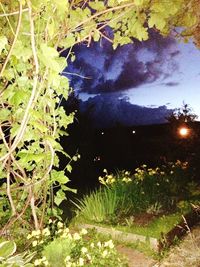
(133, 132)
(183, 131)
(102, 133)
(97, 158)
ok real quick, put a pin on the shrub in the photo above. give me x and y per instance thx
(77, 249)
(151, 190)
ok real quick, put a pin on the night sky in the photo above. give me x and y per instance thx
(136, 84)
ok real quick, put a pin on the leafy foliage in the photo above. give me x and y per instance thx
(8, 259)
(148, 191)
(33, 35)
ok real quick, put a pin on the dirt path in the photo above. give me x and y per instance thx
(136, 258)
(186, 254)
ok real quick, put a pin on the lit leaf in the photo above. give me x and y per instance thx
(3, 43)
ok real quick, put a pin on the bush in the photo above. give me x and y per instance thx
(77, 249)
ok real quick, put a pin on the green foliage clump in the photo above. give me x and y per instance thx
(64, 248)
(8, 258)
(153, 191)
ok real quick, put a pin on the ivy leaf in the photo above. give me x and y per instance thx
(59, 176)
(59, 197)
(157, 20)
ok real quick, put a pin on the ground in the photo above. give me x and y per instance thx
(186, 254)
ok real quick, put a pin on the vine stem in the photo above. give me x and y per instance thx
(33, 209)
(35, 82)
(13, 13)
(14, 41)
(104, 12)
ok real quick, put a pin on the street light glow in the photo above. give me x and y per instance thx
(184, 131)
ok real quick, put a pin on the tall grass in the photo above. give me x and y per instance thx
(99, 206)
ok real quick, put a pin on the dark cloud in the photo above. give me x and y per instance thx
(106, 111)
(129, 66)
(171, 84)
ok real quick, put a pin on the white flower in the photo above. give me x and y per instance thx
(67, 258)
(83, 232)
(105, 253)
(76, 236)
(46, 232)
(59, 224)
(37, 262)
(89, 257)
(29, 236)
(35, 233)
(34, 243)
(92, 245)
(99, 244)
(81, 261)
(84, 250)
(109, 244)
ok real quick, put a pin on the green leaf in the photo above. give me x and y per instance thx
(69, 168)
(97, 5)
(7, 248)
(51, 28)
(59, 176)
(59, 197)
(96, 36)
(66, 188)
(157, 20)
(3, 43)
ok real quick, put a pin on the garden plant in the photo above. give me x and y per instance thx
(153, 196)
(33, 35)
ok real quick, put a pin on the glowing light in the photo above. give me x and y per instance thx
(183, 131)
(133, 131)
(102, 133)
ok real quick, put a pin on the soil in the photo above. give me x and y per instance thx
(143, 219)
(186, 254)
(135, 258)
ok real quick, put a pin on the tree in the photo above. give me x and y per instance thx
(33, 35)
(183, 115)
